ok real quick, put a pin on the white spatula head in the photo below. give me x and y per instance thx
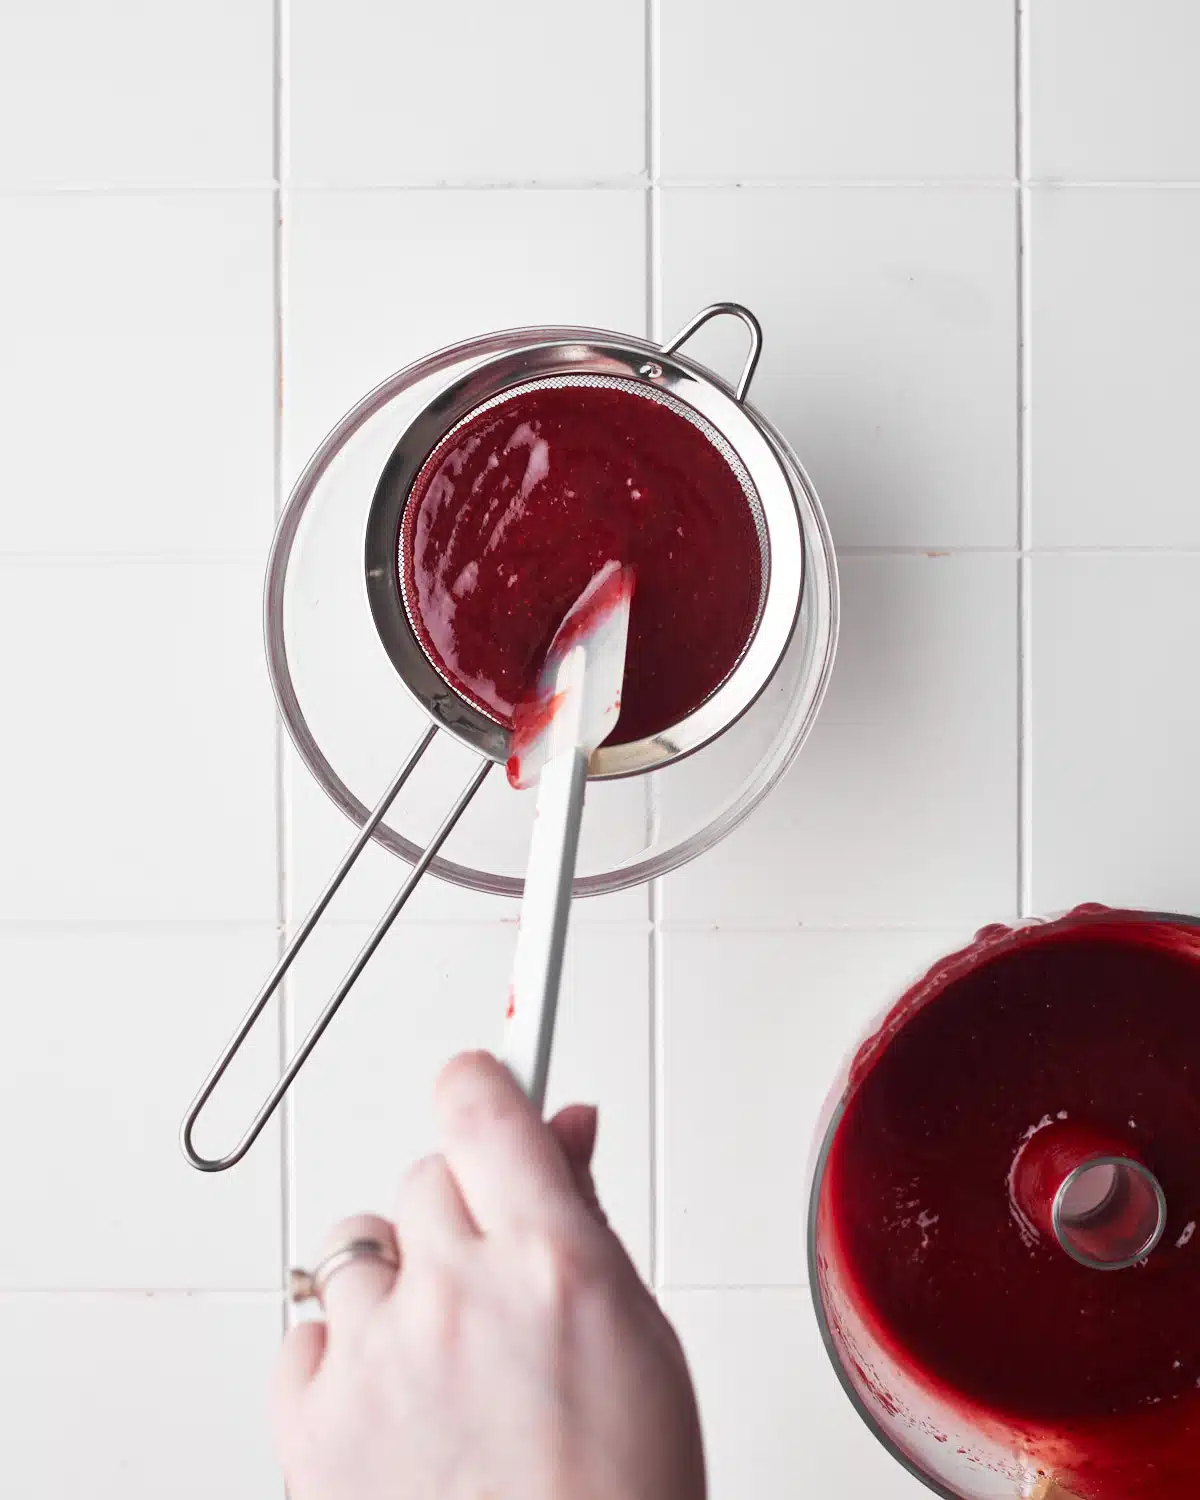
(578, 697)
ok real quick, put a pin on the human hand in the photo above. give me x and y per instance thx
(515, 1356)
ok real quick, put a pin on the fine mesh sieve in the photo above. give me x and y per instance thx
(641, 390)
(722, 418)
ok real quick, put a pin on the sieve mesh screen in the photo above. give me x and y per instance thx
(644, 391)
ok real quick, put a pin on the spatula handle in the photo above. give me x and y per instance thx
(545, 908)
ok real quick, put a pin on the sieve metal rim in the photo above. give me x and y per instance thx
(717, 413)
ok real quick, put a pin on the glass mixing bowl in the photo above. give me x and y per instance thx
(353, 722)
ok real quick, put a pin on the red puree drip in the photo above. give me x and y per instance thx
(513, 515)
(1097, 1016)
(533, 716)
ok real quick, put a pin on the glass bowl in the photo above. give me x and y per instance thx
(352, 721)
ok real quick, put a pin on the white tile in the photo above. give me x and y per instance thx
(374, 280)
(363, 1106)
(560, 256)
(540, 92)
(1116, 731)
(171, 93)
(901, 809)
(138, 361)
(1113, 89)
(863, 89)
(889, 354)
(756, 1028)
(144, 761)
(1115, 376)
(134, 1398)
(602, 1056)
(116, 1032)
(366, 725)
(777, 1425)
(319, 835)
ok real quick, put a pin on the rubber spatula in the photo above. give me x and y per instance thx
(573, 711)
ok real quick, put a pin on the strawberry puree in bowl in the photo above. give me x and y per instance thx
(983, 1353)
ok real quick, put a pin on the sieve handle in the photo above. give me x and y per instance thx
(300, 1056)
(733, 310)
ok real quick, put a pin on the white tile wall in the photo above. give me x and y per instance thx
(363, 1110)
(112, 1397)
(139, 349)
(776, 1423)
(813, 90)
(1117, 730)
(902, 808)
(114, 1029)
(141, 783)
(891, 353)
(1114, 379)
(1112, 90)
(971, 232)
(529, 91)
(755, 1028)
(504, 257)
(319, 835)
(97, 96)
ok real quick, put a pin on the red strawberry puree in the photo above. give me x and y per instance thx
(1093, 1020)
(516, 511)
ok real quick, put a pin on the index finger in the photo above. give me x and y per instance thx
(508, 1164)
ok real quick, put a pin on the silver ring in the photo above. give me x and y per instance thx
(309, 1286)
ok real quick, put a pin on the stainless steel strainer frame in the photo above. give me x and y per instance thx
(742, 442)
(720, 419)
(401, 479)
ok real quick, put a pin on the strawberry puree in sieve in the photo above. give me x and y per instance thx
(518, 509)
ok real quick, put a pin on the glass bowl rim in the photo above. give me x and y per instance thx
(821, 606)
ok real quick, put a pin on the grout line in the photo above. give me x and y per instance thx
(284, 1000)
(256, 559)
(654, 320)
(242, 557)
(653, 170)
(834, 184)
(254, 1294)
(631, 182)
(943, 184)
(627, 927)
(937, 927)
(1019, 552)
(1021, 59)
(876, 184)
(1024, 480)
(432, 924)
(149, 1293)
(150, 927)
(677, 1288)
(137, 189)
(169, 927)
(653, 279)
(658, 1155)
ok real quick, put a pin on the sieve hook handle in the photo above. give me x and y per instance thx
(733, 310)
(300, 1056)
